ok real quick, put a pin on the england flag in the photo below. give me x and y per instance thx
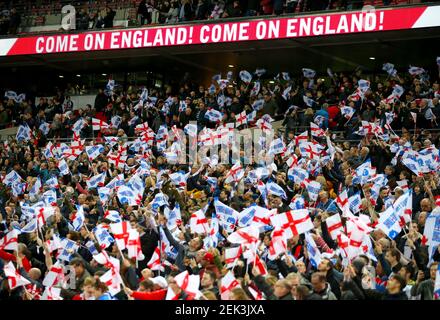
(334, 225)
(134, 245)
(15, 279)
(247, 235)
(198, 222)
(98, 124)
(293, 222)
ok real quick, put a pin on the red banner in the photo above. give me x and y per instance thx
(278, 28)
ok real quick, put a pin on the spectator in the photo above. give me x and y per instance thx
(144, 13)
(233, 10)
(14, 21)
(201, 12)
(83, 20)
(172, 16)
(185, 11)
(108, 18)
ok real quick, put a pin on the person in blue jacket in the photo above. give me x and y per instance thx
(101, 291)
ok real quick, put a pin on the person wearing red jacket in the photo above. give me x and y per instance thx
(146, 292)
(11, 257)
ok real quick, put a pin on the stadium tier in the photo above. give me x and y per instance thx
(291, 153)
(25, 16)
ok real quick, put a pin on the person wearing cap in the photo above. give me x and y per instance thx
(207, 263)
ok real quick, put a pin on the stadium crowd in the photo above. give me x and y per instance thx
(101, 13)
(343, 204)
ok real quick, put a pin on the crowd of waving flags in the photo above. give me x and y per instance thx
(243, 227)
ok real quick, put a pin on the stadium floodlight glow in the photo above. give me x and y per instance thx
(372, 58)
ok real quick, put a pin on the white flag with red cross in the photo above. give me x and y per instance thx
(235, 174)
(232, 255)
(155, 261)
(134, 245)
(98, 124)
(198, 222)
(15, 279)
(293, 222)
(121, 233)
(334, 225)
(188, 283)
(54, 275)
(10, 241)
(43, 214)
(117, 160)
(278, 244)
(257, 294)
(245, 235)
(112, 280)
(240, 119)
(228, 282)
(343, 203)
